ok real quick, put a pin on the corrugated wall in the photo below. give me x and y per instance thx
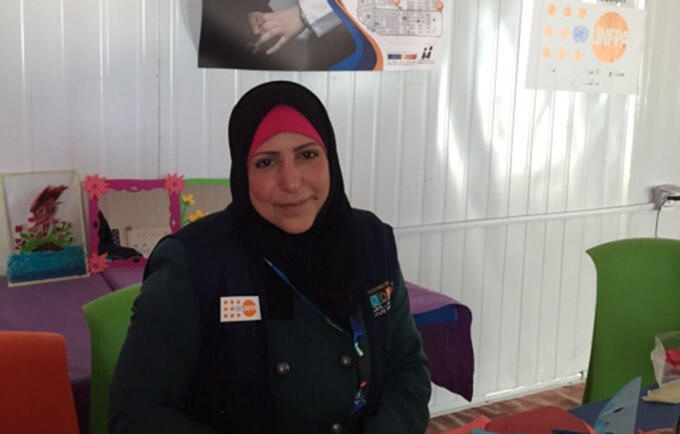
(495, 191)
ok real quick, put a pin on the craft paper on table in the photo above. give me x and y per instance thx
(669, 393)
(585, 47)
(619, 414)
(325, 34)
(45, 219)
(539, 421)
(127, 217)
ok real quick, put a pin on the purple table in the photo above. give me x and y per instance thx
(55, 307)
(444, 326)
(118, 278)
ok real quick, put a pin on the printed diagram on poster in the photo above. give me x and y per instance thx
(585, 47)
(45, 215)
(322, 34)
(407, 32)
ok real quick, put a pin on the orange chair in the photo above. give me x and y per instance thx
(35, 391)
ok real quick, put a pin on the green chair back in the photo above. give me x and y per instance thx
(638, 296)
(108, 318)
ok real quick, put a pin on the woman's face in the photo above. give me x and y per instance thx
(289, 181)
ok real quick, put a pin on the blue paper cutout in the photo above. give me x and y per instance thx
(620, 413)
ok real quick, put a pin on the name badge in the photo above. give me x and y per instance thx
(240, 308)
(380, 298)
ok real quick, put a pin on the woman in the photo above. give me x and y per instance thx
(286, 312)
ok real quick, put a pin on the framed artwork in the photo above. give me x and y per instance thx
(127, 217)
(44, 212)
(203, 196)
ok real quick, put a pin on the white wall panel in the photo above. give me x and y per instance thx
(549, 301)
(84, 60)
(511, 301)
(43, 39)
(568, 299)
(436, 133)
(362, 171)
(491, 307)
(495, 190)
(220, 100)
(430, 261)
(461, 79)
(559, 153)
(389, 133)
(531, 303)
(340, 110)
(482, 109)
(576, 186)
(541, 133)
(415, 124)
(503, 105)
(15, 142)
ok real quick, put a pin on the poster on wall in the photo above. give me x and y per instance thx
(321, 35)
(585, 47)
(45, 216)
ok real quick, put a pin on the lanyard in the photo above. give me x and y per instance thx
(357, 332)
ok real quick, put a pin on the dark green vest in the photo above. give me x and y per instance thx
(230, 390)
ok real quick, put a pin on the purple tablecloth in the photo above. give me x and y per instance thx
(118, 278)
(444, 326)
(55, 307)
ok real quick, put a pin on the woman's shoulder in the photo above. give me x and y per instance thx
(372, 231)
(367, 219)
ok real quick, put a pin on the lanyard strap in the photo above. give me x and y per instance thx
(311, 305)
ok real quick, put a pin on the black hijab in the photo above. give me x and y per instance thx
(323, 261)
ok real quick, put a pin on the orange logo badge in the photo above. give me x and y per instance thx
(241, 308)
(249, 308)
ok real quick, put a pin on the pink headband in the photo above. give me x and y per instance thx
(283, 119)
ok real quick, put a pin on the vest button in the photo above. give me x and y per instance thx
(336, 428)
(345, 361)
(282, 369)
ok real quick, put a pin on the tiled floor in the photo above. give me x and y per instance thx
(565, 397)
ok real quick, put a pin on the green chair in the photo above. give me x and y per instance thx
(638, 296)
(108, 318)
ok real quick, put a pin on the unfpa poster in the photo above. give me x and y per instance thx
(585, 47)
(322, 34)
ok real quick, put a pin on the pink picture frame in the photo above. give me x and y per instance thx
(97, 186)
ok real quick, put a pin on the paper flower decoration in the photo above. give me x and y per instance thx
(173, 184)
(188, 199)
(95, 186)
(97, 263)
(196, 215)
